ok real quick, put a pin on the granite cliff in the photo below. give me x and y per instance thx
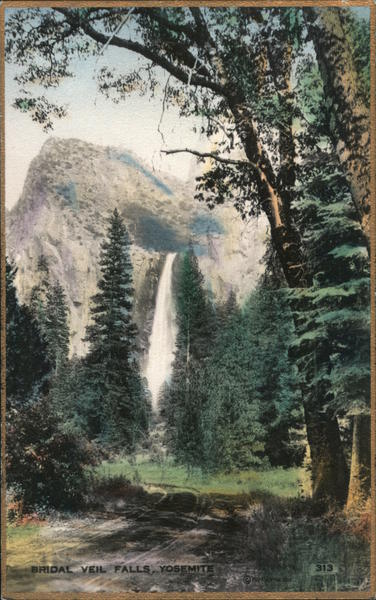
(70, 190)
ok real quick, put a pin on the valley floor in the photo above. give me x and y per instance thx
(144, 539)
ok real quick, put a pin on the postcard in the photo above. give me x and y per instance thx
(188, 257)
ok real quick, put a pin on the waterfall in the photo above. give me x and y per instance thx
(163, 334)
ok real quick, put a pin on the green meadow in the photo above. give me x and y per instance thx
(284, 483)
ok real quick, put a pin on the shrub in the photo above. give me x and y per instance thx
(45, 464)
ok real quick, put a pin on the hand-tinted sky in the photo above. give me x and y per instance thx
(132, 124)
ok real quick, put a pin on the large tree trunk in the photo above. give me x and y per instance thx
(360, 472)
(349, 125)
(329, 469)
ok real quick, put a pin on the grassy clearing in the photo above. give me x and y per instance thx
(43, 543)
(284, 483)
(23, 542)
(19, 534)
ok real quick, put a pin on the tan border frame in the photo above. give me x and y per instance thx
(185, 595)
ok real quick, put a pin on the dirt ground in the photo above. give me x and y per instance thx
(173, 543)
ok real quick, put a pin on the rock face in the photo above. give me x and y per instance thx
(69, 192)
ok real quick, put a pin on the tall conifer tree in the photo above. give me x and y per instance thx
(56, 326)
(121, 405)
(333, 315)
(27, 366)
(183, 400)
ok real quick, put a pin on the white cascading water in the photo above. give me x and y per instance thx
(163, 334)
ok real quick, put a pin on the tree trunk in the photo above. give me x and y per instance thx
(349, 123)
(360, 472)
(329, 469)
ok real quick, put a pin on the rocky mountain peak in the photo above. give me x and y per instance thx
(70, 190)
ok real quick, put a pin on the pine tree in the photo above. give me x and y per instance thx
(56, 326)
(252, 414)
(232, 431)
(270, 330)
(27, 365)
(55, 316)
(332, 315)
(184, 397)
(121, 407)
(333, 343)
(225, 310)
(195, 317)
